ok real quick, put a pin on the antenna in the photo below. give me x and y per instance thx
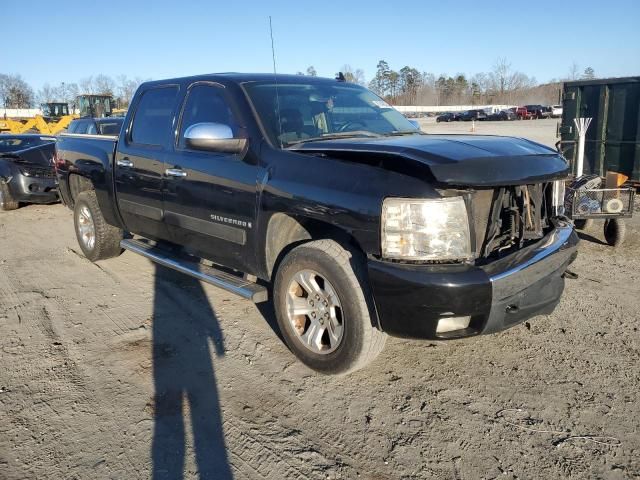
(275, 79)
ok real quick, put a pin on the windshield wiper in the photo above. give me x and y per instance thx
(333, 136)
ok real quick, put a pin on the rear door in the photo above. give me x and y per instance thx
(211, 205)
(139, 161)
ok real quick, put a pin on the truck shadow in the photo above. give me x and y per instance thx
(268, 312)
(186, 336)
(590, 238)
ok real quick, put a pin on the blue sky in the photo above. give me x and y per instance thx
(165, 38)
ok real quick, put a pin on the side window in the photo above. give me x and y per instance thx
(92, 128)
(206, 104)
(152, 120)
(73, 128)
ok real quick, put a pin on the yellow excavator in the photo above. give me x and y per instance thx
(56, 115)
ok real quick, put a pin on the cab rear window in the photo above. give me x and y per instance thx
(154, 116)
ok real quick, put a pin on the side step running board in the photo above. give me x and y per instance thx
(234, 284)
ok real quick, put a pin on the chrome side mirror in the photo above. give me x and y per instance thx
(213, 137)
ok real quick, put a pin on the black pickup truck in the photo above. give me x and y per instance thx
(318, 191)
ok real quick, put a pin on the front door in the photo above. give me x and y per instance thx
(139, 163)
(210, 198)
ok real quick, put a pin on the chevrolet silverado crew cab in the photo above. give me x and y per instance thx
(319, 194)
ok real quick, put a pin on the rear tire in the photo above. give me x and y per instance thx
(614, 232)
(97, 239)
(326, 272)
(7, 202)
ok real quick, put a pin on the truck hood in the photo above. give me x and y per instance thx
(39, 155)
(462, 160)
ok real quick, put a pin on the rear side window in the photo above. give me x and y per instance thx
(92, 129)
(153, 117)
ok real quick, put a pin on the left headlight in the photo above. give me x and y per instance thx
(414, 229)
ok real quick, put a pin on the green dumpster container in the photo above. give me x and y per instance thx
(613, 138)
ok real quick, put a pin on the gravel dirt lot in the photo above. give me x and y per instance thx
(542, 131)
(125, 370)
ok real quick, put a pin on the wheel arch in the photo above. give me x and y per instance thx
(284, 232)
(82, 181)
(78, 183)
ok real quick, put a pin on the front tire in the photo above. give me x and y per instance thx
(324, 308)
(7, 202)
(97, 239)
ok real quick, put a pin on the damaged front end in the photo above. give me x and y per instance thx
(506, 219)
(522, 245)
(27, 181)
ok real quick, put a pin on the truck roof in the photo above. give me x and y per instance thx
(247, 77)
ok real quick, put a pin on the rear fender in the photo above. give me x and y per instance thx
(94, 179)
(90, 160)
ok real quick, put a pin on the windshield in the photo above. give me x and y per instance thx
(323, 110)
(12, 144)
(55, 109)
(94, 105)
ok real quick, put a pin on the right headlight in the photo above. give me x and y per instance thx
(416, 229)
(557, 193)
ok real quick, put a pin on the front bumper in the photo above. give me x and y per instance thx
(411, 299)
(30, 189)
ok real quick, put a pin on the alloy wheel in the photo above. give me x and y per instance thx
(86, 228)
(315, 312)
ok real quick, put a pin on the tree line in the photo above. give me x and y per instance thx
(16, 93)
(501, 85)
(407, 86)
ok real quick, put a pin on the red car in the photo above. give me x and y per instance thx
(523, 114)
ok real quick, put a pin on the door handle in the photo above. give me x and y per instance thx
(124, 162)
(175, 172)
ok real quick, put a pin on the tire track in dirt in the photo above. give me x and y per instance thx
(419, 412)
(38, 305)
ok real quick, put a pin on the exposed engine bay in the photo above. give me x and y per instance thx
(507, 218)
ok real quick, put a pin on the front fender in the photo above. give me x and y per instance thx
(345, 195)
(6, 171)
